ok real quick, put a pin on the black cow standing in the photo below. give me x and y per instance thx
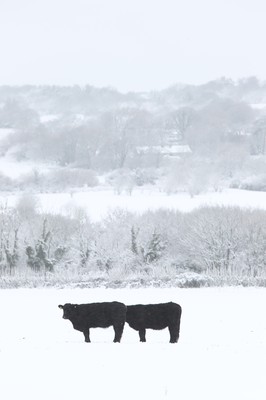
(155, 316)
(96, 315)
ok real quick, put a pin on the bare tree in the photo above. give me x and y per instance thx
(180, 120)
(258, 140)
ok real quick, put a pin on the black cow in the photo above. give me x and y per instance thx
(155, 316)
(96, 315)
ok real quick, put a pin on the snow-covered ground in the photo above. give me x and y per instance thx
(98, 203)
(221, 353)
(9, 167)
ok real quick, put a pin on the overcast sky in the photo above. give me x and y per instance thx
(131, 44)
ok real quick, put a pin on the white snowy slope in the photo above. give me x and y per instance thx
(221, 353)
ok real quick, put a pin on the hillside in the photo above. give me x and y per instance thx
(184, 138)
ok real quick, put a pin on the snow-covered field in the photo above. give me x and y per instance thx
(98, 203)
(221, 353)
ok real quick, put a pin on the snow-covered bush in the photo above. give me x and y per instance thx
(257, 183)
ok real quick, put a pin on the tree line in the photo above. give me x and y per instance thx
(214, 244)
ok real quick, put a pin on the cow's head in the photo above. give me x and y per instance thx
(70, 310)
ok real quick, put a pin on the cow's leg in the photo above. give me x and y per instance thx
(174, 333)
(142, 334)
(118, 328)
(174, 327)
(87, 336)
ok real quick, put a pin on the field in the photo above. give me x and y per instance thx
(221, 353)
(99, 202)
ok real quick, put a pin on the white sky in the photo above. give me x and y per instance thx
(130, 44)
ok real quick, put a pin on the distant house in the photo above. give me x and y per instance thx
(176, 150)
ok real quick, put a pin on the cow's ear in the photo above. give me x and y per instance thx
(60, 306)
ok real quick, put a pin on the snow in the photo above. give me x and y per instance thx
(221, 353)
(98, 203)
(164, 150)
(8, 167)
(14, 169)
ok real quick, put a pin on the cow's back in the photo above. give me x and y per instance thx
(153, 316)
(102, 315)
